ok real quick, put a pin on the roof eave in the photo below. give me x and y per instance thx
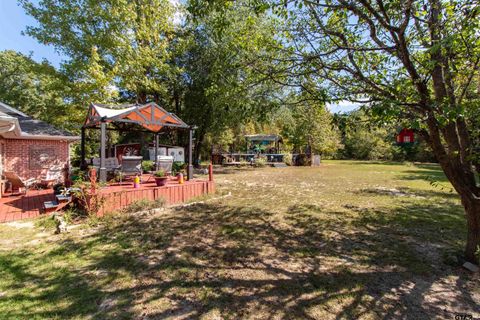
(47, 137)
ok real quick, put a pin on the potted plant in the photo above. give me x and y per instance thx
(119, 176)
(148, 166)
(160, 178)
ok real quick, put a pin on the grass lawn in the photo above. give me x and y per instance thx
(347, 240)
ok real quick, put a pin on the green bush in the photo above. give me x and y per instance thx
(287, 159)
(260, 162)
(178, 166)
(148, 165)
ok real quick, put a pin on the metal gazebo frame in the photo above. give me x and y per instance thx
(150, 116)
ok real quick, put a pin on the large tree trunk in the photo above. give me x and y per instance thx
(472, 210)
(463, 180)
(200, 136)
(460, 172)
(196, 152)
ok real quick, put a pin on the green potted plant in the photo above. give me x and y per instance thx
(148, 166)
(119, 176)
(160, 178)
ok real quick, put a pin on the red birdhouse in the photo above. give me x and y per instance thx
(406, 136)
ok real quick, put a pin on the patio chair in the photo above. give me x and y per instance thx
(110, 163)
(51, 177)
(165, 163)
(18, 183)
(131, 166)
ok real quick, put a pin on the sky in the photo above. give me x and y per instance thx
(14, 20)
(341, 106)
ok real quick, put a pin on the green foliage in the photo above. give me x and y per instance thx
(160, 173)
(222, 141)
(87, 195)
(364, 139)
(205, 69)
(35, 88)
(287, 159)
(148, 165)
(225, 90)
(260, 162)
(127, 44)
(178, 166)
(368, 144)
(305, 124)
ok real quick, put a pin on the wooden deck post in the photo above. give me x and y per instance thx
(156, 151)
(83, 164)
(190, 156)
(103, 138)
(210, 172)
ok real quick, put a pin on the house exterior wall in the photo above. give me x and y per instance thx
(19, 156)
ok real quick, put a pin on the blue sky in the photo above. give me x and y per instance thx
(13, 21)
(342, 106)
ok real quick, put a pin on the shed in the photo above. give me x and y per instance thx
(406, 136)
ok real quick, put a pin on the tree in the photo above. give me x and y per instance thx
(34, 88)
(222, 88)
(308, 125)
(130, 41)
(200, 68)
(412, 61)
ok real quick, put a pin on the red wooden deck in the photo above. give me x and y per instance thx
(23, 207)
(17, 207)
(120, 196)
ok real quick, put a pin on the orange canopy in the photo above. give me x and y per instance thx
(150, 116)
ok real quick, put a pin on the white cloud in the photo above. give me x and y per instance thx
(342, 106)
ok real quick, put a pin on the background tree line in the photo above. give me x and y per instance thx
(210, 67)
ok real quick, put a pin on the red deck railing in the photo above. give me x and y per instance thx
(116, 197)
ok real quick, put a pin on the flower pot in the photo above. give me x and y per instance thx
(161, 181)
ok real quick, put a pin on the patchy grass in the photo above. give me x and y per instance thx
(347, 240)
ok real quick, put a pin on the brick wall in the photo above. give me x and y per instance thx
(17, 155)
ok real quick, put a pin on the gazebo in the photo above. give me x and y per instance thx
(150, 116)
(264, 139)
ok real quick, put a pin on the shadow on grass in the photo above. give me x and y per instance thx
(237, 262)
(371, 162)
(428, 172)
(224, 170)
(400, 193)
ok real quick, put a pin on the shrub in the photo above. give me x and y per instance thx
(148, 165)
(288, 159)
(178, 166)
(88, 196)
(260, 162)
(244, 163)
